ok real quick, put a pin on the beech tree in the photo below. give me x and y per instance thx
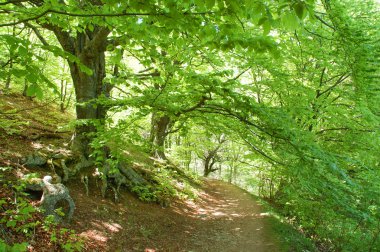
(85, 30)
(293, 83)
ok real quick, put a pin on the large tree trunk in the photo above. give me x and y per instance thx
(90, 48)
(159, 131)
(87, 89)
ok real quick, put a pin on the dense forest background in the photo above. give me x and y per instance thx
(279, 97)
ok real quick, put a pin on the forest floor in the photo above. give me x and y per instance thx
(222, 218)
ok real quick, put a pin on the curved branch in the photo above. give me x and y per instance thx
(262, 152)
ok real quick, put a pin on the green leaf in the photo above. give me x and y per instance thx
(90, 27)
(290, 20)
(11, 223)
(85, 69)
(262, 20)
(11, 40)
(19, 247)
(299, 9)
(32, 77)
(266, 28)
(27, 210)
(210, 4)
(35, 90)
(3, 246)
(257, 8)
(23, 51)
(19, 73)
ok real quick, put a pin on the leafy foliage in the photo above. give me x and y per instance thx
(290, 86)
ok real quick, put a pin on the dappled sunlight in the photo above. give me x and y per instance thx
(11, 153)
(36, 145)
(215, 205)
(107, 226)
(264, 214)
(113, 227)
(94, 234)
(217, 213)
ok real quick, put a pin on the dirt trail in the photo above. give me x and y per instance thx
(224, 218)
(230, 220)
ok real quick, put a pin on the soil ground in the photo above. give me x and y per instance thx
(223, 218)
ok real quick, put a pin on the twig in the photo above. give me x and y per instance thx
(324, 22)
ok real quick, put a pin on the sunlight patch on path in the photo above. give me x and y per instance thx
(94, 234)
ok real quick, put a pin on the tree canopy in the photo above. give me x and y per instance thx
(280, 97)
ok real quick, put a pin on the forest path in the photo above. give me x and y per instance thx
(228, 218)
(223, 218)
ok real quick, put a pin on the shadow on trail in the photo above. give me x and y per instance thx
(223, 218)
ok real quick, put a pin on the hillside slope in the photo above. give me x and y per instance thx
(221, 218)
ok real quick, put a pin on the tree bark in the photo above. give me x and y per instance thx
(209, 162)
(25, 88)
(211, 157)
(8, 81)
(90, 48)
(160, 127)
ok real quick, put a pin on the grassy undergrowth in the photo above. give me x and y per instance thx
(290, 237)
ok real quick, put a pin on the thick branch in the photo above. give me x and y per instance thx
(262, 152)
(196, 106)
(344, 128)
(98, 42)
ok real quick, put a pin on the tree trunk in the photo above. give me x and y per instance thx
(65, 98)
(8, 81)
(211, 157)
(89, 47)
(159, 132)
(206, 170)
(230, 174)
(210, 161)
(26, 86)
(188, 155)
(87, 89)
(63, 95)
